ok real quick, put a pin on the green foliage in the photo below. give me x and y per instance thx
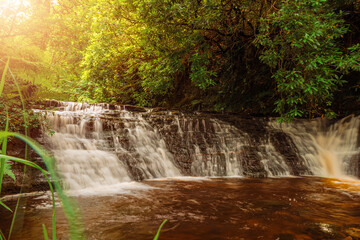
(143, 51)
(76, 230)
(7, 170)
(24, 36)
(16, 116)
(217, 54)
(301, 42)
(5, 167)
(199, 73)
(7, 208)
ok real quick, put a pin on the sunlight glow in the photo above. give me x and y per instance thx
(12, 7)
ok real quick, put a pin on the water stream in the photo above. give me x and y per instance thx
(130, 168)
(212, 209)
(102, 144)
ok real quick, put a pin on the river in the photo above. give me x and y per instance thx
(211, 175)
(207, 208)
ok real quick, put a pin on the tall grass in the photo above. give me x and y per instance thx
(4, 141)
(26, 123)
(69, 206)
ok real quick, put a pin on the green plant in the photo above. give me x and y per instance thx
(69, 206)
(158, 232)
(5, 167)
(76, 230)
(301, 42)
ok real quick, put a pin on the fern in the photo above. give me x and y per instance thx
(8, 171)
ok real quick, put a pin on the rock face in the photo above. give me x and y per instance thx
(102, 144)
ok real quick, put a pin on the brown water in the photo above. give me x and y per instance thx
(218, 208)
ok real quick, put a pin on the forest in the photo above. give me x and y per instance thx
(221, 77)
(291, 59)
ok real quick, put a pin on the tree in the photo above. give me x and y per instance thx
(149, 50)
(302, 44)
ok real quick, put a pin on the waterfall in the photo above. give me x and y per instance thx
(103, 144)
(89, 156)
(331, 151)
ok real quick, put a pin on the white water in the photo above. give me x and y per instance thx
(84, 155)
(224, 151)
(151, 155)
(99, 146)
(327, 152)
(219, 157)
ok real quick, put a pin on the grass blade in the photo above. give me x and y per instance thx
(24, 111)
(46, 236)
(15, 212)
(3, 151)
(69, 206)
(2, 237)
(26, 147)
(34, 165)
(4, 144)
(3, 77)
(158, 232)
(3, 204)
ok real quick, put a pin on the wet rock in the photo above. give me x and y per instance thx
(353, 232)
(134, 108)
(200, 143)
(284, 236)
(285, 146)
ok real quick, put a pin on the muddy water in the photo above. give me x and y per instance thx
(217, 208)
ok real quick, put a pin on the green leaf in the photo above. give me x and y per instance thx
(3, 77)
(8, 171)
(3, 204)
(46, 236)
(158, 232)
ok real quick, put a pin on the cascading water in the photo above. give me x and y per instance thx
(102, 144)
(327, 151)
(217, 148)
(87, 156)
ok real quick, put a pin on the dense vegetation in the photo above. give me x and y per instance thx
(287, 58)
(298, 58)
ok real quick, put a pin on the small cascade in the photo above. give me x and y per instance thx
(329, 151)
(81, 155)
(145, 151)
(217, 148)
(104, 144)
(338, 146)
(215, 151)
(87, 156)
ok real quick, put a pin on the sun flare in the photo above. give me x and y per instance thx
(14, 7)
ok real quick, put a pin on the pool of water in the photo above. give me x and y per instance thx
(205, 208)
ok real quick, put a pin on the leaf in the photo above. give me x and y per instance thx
(3, 77)
(158, 232)
(69, 207)
(8, 171)
(2, 237)
(3, 165)
(46, 236)
(3, 204)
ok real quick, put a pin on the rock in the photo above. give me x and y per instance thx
(353, 232)
(131, 108)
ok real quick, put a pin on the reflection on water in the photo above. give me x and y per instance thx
(231, 208)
